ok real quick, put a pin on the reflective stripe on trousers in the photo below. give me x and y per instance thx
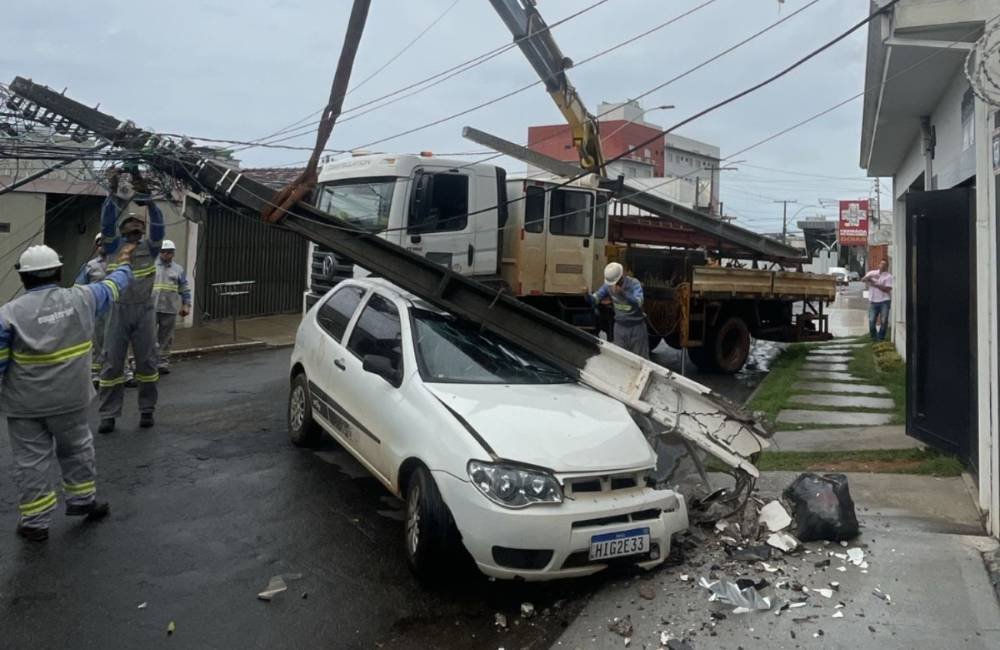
(135, 324)
(32, 448)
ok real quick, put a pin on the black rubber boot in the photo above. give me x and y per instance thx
(33, 534)
(107, 425)
(146, 420)
(92, 511)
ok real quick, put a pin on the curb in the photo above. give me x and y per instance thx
(218, 349)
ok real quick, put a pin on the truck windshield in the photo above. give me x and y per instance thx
(450, 350)
(363, 202)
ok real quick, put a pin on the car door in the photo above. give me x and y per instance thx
(326, 362)
(375, 400)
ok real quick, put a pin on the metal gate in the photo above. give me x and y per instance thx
(941, 320)
(236, 245)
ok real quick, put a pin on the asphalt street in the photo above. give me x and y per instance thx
(212, 503)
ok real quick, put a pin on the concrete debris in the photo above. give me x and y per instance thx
(838, 614)
(881, 594)
(760, 553)
(822, 564)
(769, 568)
(527, 610)
(824, 592)
(141, 606)
(685, 577)
(783, 541)
(647, 592)
(171, 628)
(275, 586)
(823, 507)
(500, 621)
(856, 556)
(622, 627)
(775, 517)
(729, 593)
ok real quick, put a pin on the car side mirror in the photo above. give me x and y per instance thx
(380, 365)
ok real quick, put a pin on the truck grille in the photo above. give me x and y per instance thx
(327, 269)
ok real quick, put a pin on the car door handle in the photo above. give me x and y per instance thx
(340, 364)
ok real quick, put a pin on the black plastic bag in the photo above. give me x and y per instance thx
(823, 508)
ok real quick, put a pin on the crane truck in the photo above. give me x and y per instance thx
(546, 240)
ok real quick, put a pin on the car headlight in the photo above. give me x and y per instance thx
(512, 486)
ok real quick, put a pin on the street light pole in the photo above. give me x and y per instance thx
(784, 219)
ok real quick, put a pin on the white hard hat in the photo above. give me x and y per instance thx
(613, 272)
(167, 245)
(38, 258)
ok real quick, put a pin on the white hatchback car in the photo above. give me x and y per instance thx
(537, 476)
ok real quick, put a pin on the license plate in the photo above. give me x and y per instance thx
(625, 542)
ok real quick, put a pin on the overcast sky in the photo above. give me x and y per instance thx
(242, 70)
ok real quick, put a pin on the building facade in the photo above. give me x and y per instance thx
(926, 128)
(692, 166)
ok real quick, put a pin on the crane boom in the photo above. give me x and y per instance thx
(535, 39)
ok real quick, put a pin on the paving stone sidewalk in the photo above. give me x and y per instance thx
(829, 390)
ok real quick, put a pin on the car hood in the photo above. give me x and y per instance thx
(563, 427)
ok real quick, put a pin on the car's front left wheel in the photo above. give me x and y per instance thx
(430, 532)
(302, 429)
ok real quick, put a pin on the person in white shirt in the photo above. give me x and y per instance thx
(879, 284)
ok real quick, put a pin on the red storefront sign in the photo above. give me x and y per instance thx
(852, 229)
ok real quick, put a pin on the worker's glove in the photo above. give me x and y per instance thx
(139, 185)
(125, 254)
(185, 311)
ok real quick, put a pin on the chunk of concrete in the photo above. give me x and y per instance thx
(827, 358)
(825, 367)
(831, 387)
(857, 401)
(833, 376)
(841, 418)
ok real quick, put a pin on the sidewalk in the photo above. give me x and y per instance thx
(924, 548)
(264, 331)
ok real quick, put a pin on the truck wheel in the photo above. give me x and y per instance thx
(430, 531)
(730, 345)
(302, 429)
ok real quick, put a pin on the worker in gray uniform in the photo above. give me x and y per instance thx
(625, 293)
(172, 298)
(93, 272)
(45, 388)
(133, 319)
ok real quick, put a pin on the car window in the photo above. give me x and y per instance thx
(378, 332)
(570, 213)
(451, 350)
(334, 314)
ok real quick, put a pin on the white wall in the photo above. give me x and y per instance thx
(25, 212)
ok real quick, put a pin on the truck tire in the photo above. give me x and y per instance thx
(730, 345)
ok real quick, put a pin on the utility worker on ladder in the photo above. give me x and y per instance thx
(133, 319)
(93, 272)
(172, 297)
(626, 297)
(45, 387)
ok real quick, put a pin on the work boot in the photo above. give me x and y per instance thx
(93, 511)
(163, 370)
(146, 420)
(33, 533)
(107, 425)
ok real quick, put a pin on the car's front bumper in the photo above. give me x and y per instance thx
(526, 536)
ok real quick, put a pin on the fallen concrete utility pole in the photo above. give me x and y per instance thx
(675, 404)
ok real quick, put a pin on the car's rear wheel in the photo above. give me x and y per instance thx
(429, 534)
(302, 429)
